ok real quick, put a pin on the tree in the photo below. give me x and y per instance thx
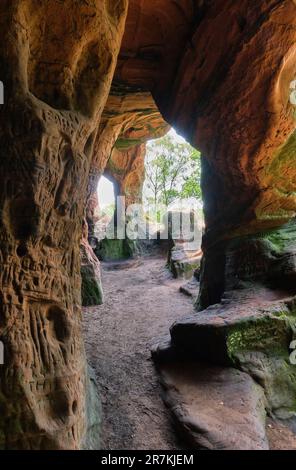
(172, 171)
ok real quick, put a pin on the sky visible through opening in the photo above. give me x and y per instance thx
(106, 188)
(106, 192)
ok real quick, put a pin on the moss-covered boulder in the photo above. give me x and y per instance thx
(267, 258)
(253, 337)
(116, 250)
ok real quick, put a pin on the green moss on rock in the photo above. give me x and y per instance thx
(125, 144)
(260, 346)
(91, 289)
(116, 250)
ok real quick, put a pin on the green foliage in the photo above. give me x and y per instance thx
(172, 171)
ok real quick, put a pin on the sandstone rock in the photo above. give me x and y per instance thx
(115, 250)
(215, 408)
(129, 119)
(94, 414)
(91, 285)
(221, 73)
(191, 288)
(57, 61)
(127, 168)
(279, 435)
(267, 258)
(184, 232)
(183, 263)
(240, 117)
(254, 337)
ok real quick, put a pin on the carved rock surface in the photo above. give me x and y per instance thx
(129, 119)
(216, 408)
(91, 284)
(127, 168)
(57, 61)
(220, 73)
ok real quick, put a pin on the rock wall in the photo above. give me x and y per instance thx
(130, 118)
(224, 81)
(57, 61)
(127, 168)
(91, 284)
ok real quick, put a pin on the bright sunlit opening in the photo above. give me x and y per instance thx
(176, 137)
(106, 192)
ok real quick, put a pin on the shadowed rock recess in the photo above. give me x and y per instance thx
(87, 84)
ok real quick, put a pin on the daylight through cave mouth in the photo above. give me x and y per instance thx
(93, 88)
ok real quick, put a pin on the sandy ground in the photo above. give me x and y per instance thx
(141, 303)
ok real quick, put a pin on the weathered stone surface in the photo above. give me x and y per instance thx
(221, 72)
(183, 263)
(252, 334)
(115, 249)
(129, 119)
(279, 435)
(215, 408)
(127, 168)
(267, 259)
(92, 440)
(157, 35)
(241, 117)
(57, 61)
(91, 284)
(191, 288)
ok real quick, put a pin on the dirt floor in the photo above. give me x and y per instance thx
(141, 303)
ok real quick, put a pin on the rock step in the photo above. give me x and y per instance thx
(214, 407)
(232, 350)
(216, 334)
(191, 288)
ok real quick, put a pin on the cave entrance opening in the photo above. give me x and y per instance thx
(141, 281)
(149, 197)
(106, 193)
(172, 201)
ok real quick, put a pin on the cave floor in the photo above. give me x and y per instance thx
(141, 303)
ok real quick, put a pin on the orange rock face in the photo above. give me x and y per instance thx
(129, 119)
(57, 61)
(222, 72)
(127, 168)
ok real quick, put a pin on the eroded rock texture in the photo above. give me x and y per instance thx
(127, 168)
(57, 61)
(130, 118)
(219, 71)
(91, 284)
(218, 408)
(229, 93)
